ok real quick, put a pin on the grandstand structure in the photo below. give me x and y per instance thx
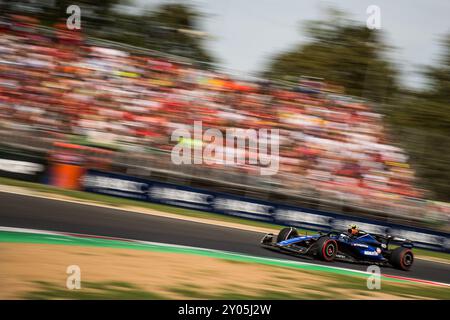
(335, 154)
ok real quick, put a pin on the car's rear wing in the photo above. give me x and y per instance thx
(395, 240)
(404, 242)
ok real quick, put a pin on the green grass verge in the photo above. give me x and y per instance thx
(432, 254)
(335, 287)
(91, 291)
(122, 202)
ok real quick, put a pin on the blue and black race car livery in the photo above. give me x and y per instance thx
(341, 246)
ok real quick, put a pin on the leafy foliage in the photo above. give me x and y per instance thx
(422, 122)
(342, 53)
(350, 55)
(170, 28)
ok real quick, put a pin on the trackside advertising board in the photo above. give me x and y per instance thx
(16, 165)
(199, 199)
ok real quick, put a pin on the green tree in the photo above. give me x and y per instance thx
(421, 120)
(343, 53)
(175, 29)
(171, 28)
(94, 12)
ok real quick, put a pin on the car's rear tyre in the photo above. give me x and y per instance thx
(326, 249)
(287, 233)
(402, 258)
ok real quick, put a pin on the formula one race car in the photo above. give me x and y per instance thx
(358, 247)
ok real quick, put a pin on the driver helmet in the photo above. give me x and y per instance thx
(353, 230)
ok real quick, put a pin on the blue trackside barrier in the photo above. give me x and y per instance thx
(198, 199)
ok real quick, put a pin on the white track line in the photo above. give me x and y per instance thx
(31, 193)
(36, 194)
(36, 231)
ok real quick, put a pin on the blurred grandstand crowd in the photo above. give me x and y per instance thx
(58, 85)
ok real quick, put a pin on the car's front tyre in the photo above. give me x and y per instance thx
(287, 233)
(326, 249)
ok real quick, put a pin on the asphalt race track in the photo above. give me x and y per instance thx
(39, 213)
